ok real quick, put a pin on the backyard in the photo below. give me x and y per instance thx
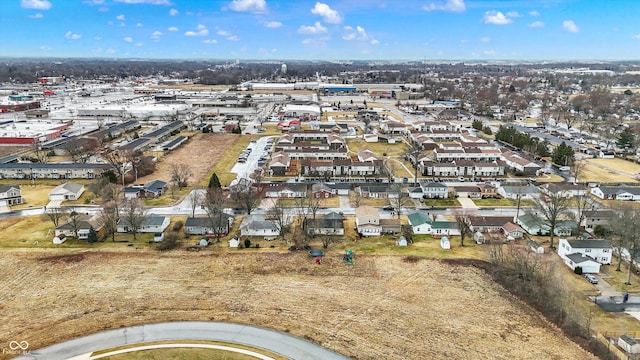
(107, 290)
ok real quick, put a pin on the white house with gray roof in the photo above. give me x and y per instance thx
(151, 224)
(66, 191)
(10, 195)
(258, 225)
(598, 250)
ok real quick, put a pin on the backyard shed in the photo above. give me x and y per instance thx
(629, 344)
(445, 243)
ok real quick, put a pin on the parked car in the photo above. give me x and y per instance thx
(592, 279)
(388, 208)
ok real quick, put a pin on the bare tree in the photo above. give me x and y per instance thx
(463, 223)
(576, 169)
(39, 153)
(180, 175)
(355, 197)
(134, 216)
(280, 218)
(412, 154)
(109, 216)
(213, 202)
(581, 205)
(55, 214)
(80, 150)
(397, 198)
(307, 206)
(626, 225)
(118, 160)
(74, 223)
(551, 205)
(329, 238)
(196, 198)
(245, 195)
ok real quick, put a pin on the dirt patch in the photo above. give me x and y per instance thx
(380, 308)
(200, 152)
(66, 258)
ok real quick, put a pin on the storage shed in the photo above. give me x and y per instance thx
(445, 243)
(629, 344)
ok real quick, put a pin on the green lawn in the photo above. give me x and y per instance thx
(223, 167)
(442, 202)
(494, 202)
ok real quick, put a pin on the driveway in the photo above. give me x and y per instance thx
(277, 342)
(467, 203)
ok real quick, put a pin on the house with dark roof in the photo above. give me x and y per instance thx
(434, 190)
(617, 193)
(150, 224)
(488, 223)
(286, 191)
(321, 190)
(149, 190)
(219, 225)
(533, 224)
(598, 250)
(599, 217)
(324, 226)
(82, 223)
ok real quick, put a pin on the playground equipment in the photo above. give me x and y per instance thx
(348, 257)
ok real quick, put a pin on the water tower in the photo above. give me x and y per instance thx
(283, 69)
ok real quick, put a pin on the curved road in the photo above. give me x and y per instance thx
(274, 341)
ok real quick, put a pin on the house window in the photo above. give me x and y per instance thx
(587, 250)
(605, 250)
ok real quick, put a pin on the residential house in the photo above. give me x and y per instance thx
(285, 191)
(321, 190)
(377, 192)
(10, 195)
(593, 218)
(279, 164)
(533, 224)
(82, 223)
(565, 227)
(467, 191)
(519, 164)
(219, 225)
(588, 264)
(598, 250)
(366, 155)
(420, 223)
(434, 190)
(52, 170)
(617, 193)
(258, 225)
(340, 188)
(512, 230)
(488, 223)
(391, 226)
(150, 190)
(150, 224)
(324, 226)
(488, 190)
(528, 192)
(368, 221)
(566, 189)
(66, 191)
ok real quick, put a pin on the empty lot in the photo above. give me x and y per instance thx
(381, 308)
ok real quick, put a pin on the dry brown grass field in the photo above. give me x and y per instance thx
(383, 307)
(601, 173)
(200, 152)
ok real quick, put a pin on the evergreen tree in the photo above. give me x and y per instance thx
(214, 182)
(93, 236)
(563, 155)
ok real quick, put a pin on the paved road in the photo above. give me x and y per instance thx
(277, 342)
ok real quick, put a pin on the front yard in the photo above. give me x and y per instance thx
(450, 202)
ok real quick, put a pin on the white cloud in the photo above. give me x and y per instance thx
(318, 42)
(210, 41)
(448, 5)
(374, 42)
(637, 37)
(45, 48)
(326, 13)
(36, 4)
(71, 36)
(128, 39)
(110, 51)
(317, 28)
(359, 33)
(253, 6)
(202, 31)
(174, 12)
(570, 26)
(233, 38)
(120, 17)
(227, 35)
(534, 13)
(36, 16)
(97, 38)
(150, 2)
(489, 52)
(138, 44)
(273, 24)
(496, 18)
(173, 28)
(156, 35)
(103, 9)
(513, 14)
(139, 25)
(536, 24)
(485, 39)
(222, 33)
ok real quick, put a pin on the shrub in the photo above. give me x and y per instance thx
(170, 241)
(247, 243)
(177, 226)
(578, 270)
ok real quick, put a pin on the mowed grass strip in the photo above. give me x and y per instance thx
(223, 167)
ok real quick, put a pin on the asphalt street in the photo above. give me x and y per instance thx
(274, 341)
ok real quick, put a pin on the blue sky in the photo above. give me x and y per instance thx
(323, 30)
